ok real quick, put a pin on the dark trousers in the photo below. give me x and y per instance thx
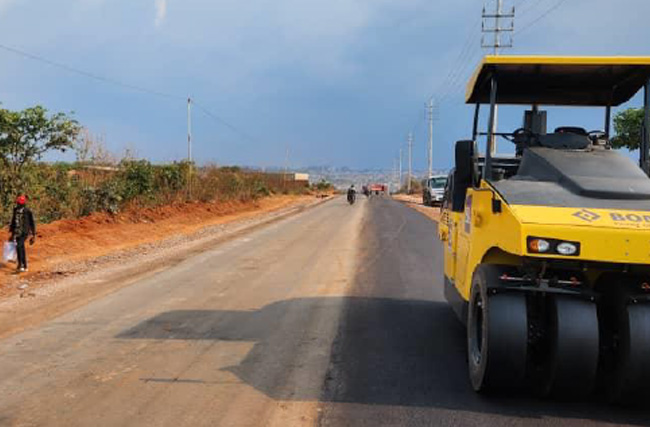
(20, 251)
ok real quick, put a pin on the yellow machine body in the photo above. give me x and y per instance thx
(478, 235)
(547, 250)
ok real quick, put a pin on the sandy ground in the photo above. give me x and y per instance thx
(415, 202)
(63, 247)
(238, 334)
(70, 284)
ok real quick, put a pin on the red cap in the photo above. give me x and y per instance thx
(21, 200)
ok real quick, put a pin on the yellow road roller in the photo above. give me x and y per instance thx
(547, 249)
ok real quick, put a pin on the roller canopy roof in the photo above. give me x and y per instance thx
(554, 80)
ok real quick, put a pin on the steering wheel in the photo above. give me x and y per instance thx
(520, 132)
(596, 134)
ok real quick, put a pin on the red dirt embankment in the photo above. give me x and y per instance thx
(101, 234)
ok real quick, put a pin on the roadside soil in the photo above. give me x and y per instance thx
(67, 247)
(415, 202)
(76, 262)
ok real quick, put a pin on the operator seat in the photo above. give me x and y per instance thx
(572, 129)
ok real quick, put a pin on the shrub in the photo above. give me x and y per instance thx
(70, 190)
(138, 179)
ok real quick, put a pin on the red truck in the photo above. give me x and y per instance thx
(378, 189)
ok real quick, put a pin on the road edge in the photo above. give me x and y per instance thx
(19, 314)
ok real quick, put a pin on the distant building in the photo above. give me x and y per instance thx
(299, 177)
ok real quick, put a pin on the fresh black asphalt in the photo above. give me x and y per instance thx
(399, 357)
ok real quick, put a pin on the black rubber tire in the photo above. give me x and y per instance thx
(573, 348)
(631, 380)
(497, 334)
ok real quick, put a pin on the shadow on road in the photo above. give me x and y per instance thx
(391, 352)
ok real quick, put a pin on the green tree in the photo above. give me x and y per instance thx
(25, 136)
(627, 125)
(323, 185)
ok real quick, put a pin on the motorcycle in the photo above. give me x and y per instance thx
(351, 198)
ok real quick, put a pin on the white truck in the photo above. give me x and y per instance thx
(433, 190)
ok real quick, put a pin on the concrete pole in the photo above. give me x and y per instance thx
(394, 174)
(400, 171)
(189, 148)
(408, 184)
(430, 158)
(497, 29)
(497, 44)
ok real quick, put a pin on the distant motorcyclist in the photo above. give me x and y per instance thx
(352, 194)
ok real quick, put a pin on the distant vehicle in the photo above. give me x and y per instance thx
(433, 190)
(378, 189)
(352, 195)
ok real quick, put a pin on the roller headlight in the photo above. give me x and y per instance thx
(539, 245)
(567, 248)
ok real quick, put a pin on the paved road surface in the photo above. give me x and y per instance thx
(334, 317)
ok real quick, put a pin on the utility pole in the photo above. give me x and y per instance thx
(286, 169)
(410, 142)
(394, 173)
(189, 148)
(497, 44)
(430, 152)
(399, 186)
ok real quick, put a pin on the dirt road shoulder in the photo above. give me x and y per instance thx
(415, 202)
(75, 283)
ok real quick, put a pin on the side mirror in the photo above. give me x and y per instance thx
(465, 173)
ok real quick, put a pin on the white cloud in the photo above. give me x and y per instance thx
(161, 12)
(4, 4)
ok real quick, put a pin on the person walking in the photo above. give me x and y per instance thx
(22, 226)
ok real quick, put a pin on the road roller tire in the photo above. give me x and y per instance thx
(497, 334)
(573, 348)
(631, 379)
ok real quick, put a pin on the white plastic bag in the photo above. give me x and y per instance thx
(9, 252)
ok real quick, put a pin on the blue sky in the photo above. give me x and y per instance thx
(337, 82)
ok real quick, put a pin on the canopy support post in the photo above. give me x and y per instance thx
(645, 138)
(608, 121)
(477, 110)
(487, 172)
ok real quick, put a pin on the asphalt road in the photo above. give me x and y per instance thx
(334, 317)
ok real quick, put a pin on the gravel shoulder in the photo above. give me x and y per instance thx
(70, 284)
(415, 202)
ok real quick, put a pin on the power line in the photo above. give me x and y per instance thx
(463, 56)
(541, 17)
(88, 74)
(115, 82)
(524, 11)
(453, 87)
(232, 127)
